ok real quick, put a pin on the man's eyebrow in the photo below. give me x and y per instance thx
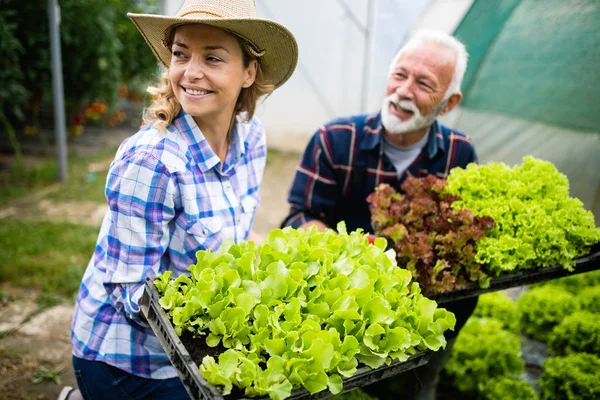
(430, 79)
(420, 76)
(426, 78)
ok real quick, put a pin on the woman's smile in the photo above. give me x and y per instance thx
(196, 93)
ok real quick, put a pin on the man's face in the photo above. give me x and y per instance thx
(416, 88)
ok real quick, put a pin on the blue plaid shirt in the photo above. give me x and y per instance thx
(344, 162)
(169, 195)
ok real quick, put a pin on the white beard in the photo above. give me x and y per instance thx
(396, 126)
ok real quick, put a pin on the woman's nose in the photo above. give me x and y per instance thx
(194, 70)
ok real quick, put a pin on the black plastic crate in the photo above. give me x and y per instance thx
(588, 263)
(199, 388)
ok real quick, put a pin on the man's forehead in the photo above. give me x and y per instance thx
(431, 56)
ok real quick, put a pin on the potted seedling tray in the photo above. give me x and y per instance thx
(186, 354)
(589, 263)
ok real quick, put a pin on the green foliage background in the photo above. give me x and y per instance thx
(101, 49)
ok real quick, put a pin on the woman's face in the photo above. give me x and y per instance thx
(207, 72)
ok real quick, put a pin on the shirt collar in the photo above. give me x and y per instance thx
(239, 136)
(237, 147)
(436, 140)
(201, 151)
(373, 138)
(373, 132)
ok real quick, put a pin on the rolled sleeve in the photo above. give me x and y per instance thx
(314, 190)
(128, 296)
(140, 193)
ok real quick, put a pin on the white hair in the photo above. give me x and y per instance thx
(448, 41)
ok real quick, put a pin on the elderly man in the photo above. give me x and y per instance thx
(348, 157)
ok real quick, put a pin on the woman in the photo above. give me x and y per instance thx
(186, 181)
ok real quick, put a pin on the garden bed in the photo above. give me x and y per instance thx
(186, 354)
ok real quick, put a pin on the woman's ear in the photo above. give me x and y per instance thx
(250, 73)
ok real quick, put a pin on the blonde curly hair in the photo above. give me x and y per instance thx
(164, 106)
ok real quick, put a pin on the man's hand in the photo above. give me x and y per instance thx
(315, 222)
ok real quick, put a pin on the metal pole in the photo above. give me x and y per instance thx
(57, 89)
(367, 59)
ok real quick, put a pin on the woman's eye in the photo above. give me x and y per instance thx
(213, 59)
(177, 53)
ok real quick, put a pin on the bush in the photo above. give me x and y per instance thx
(543, 308)
(574, 377)
(499, 306)
(578, 333)
(506, 388)
(99, 53)
(589, 298)
(11, 74)
(482, 351)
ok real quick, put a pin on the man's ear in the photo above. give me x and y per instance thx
(451, 103)
(250, 74)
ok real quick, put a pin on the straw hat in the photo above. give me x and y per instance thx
(273, 43)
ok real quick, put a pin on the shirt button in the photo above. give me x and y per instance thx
(205, 232)
(239, 221)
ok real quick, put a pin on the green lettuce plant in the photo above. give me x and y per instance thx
(574, 284)
(483, 351)
(590, 299)
(302, 309)
(507, 388)
(574, 377)
(499, 306)
(543, 308)
(537, 223)
(577, 333)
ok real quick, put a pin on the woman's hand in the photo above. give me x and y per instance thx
(255, 237)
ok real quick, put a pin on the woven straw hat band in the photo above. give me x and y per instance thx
(220, 9)
(166, 41)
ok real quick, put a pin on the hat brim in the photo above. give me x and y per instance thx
(278, 43)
